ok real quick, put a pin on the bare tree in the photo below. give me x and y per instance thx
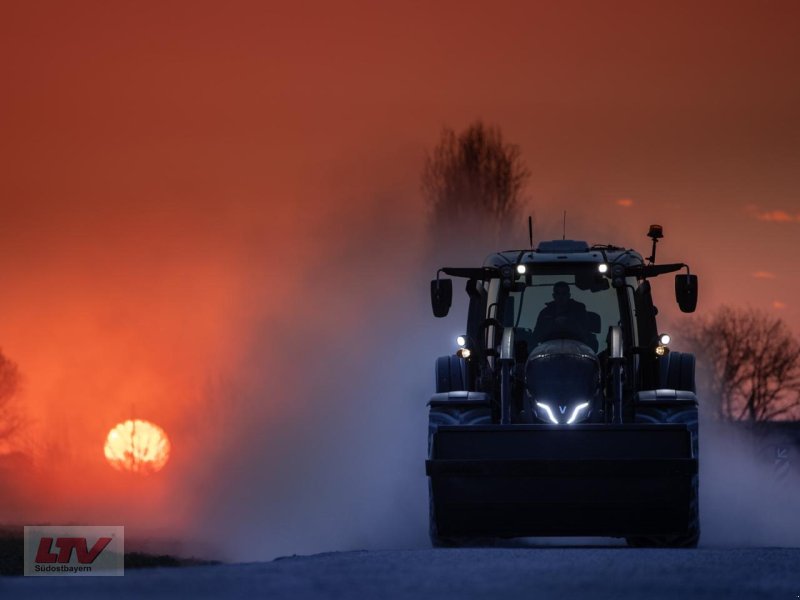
(473, 182)
(753, 364)
(10, 419)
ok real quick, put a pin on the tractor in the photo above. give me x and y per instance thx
(564, 411)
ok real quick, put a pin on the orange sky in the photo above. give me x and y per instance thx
(173, 174)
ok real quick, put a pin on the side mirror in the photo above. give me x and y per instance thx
(686, 292)
(441, 296)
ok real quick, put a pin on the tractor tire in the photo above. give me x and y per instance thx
(456, 415)
(438, 541)
(451, 374)
(687, 540)
(677, 371)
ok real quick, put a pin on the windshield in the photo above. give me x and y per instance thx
(550, 306)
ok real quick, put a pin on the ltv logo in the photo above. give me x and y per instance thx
(74, 550)
(66, 545)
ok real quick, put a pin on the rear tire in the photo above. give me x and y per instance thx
(451, 374)
(677, 371)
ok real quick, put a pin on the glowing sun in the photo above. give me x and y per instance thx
(138, 446)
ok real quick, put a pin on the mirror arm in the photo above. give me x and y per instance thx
(645, 271)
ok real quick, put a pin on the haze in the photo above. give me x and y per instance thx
(212, 219)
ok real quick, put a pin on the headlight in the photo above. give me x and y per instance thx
(662, 347)
(571, 415)
(576, 412)
(548, 411)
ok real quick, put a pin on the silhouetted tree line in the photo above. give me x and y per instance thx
(751, 363)
(473, 183)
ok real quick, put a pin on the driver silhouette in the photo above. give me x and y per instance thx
(562, 318)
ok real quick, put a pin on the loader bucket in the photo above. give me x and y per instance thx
(542, 480)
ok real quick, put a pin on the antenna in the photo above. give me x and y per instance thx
(564, 234)
(530, 230)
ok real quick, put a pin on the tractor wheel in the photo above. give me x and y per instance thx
(438, 541)
(679, 372)
(451, 374)
(446, 415)
(687, 540)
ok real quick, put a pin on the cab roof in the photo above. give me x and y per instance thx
(561, 251)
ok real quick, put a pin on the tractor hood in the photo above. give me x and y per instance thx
(562, 382)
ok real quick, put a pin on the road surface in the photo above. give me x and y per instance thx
(493, 573)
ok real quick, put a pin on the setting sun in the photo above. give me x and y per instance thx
(137, 446)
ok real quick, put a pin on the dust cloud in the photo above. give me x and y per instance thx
(749, 486)
(321, 426)
(307, 432)
(324, 420)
